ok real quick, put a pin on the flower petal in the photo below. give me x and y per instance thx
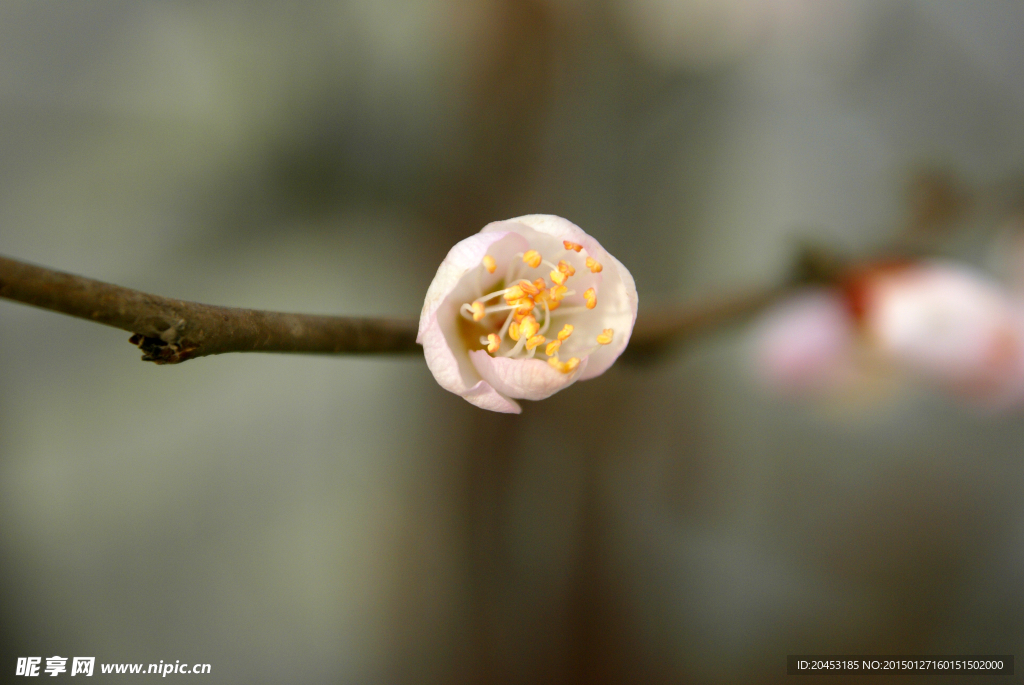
(486, 397)
(548, 224)
(443, 351)
(466, 255)
(441, 360)
(618, 303)
(447, 371)
(526, 379)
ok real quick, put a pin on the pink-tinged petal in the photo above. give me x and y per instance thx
(527, 379)
(442, 361)
(1007, 392)
(467, 254)
(619, 303)
(445, 367)
(486, 397)
(443, 350)
(548, 224)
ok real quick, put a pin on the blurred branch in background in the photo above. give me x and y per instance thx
(673, 325)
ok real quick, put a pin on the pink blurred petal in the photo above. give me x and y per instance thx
(805, 342)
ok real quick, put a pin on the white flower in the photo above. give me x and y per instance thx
(523, 309)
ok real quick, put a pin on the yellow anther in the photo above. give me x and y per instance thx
(514, 293)
(533, 258)
(490, 264)
(565, 332)
(478, 310)
(594, 265)
(513, 331)
(528, 288)
(566, 268)
(554, 296)
(529, 327)
(523, 306)
(552, 347)
(605, 337)
(540, 284)
(575, 247)
(493, 343)
(534, 341)
(591, 297)
(564, 367)
(558, 277)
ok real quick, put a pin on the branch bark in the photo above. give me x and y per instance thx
(170, 331)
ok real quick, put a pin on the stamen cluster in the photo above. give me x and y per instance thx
(524, 300)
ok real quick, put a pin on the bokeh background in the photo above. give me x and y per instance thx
(345, 520)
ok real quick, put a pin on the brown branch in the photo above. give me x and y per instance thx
(170, 331)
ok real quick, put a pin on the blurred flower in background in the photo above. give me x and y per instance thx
(940, 323)
(949, 324)
(806, 344)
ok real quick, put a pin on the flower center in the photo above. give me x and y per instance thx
(519, 314)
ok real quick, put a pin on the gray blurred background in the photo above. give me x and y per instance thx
(345, 520)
